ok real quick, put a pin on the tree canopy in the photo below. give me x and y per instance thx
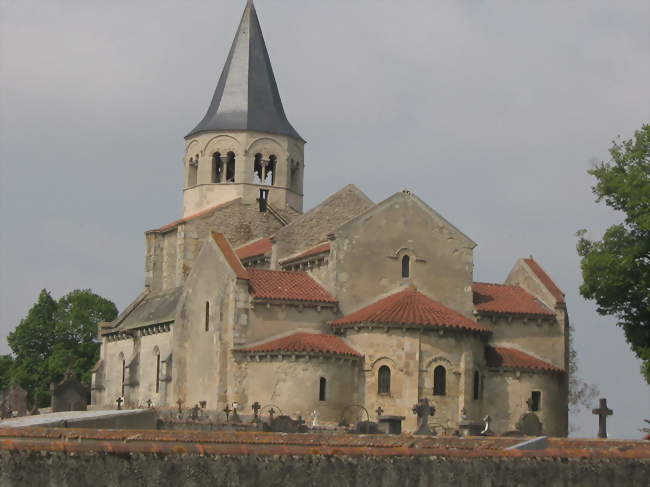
(56, 336)
(616, 268)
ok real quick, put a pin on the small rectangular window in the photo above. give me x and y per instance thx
(535, 400)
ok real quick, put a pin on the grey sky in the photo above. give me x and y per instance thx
(490, 111)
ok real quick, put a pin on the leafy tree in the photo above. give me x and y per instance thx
(616, 269)
(32, 342)
(55, 337)
(6, 363)
(77, 316)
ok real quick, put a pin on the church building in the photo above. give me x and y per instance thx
(248, 298)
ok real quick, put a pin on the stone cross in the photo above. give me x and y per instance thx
(603, 411)
(423, 410)
(256, 409)
(227, 410)
(180, 406)
(271, 414)
(119, 402)
(379, 411)
(149, 403)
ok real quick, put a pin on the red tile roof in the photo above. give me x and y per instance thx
(410, 307)
(306, 342)
(258, 247)
(546, 279)
(510, 358)
(207, 211)
(232, 259)
(504, 299)
(287, 286)
(318, 249)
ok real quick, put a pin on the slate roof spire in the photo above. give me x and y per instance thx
(247, 97)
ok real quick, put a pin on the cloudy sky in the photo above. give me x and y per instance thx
(492, 112)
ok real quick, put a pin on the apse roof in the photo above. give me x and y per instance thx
(247, 96)
(305, 343)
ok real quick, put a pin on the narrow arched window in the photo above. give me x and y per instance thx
(257, 169)
(230, 168)
(157, 373)
(477, 385)
(322, 389)
(439, 381)
(269, 177)
(207, 315)
(217, 168)
(406, 266)
(193, 171)
(123, 376)
(383, 380)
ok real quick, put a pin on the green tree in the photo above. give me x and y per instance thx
(77, 316)
(32, 342)
(6, 363)
(56, 336)
(616, 269)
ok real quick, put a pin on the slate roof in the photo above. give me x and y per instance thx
(546, 279)
(306, 343)
(318, 249)
(287, 286)
(257, 247)
(247, 96)
(410, 308)
(153, 308)
(510, 358)
(505, 299)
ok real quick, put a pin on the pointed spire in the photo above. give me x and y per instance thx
(247, 97)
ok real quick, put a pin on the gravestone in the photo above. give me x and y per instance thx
(16, 401)
(603, 411)
(69, 394)
(284, 424)
(529, 424)
(423, 411)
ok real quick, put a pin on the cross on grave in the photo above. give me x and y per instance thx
(256, 408)
(194, 412)
(379, 411)
(603, 411)
(235, 415)
(271, 414)
(180, 406)
(227, 410)
(424, 410)
(119, 402)
(149, 403)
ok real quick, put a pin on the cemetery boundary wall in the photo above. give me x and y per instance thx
(72, 458)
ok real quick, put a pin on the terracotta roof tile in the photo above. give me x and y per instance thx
(232, 259)
(318, 249)
(207, 211)
(252, 249)
(511, 358)
(286, 285)
(546, 279)
(410, 307)
(504, 299)
(306, 342)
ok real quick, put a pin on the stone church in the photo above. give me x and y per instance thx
(248, 298)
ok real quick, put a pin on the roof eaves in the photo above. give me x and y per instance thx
(230, 256)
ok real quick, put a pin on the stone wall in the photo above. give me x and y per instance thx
(135, 469)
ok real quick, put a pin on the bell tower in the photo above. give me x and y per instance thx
(244, 147)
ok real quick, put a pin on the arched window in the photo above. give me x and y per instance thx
(207, 315)
(157, 372)
(264, 170)
(322, 389)
(383, 380)
(217, 168)
(477, 385)
(121, 358)
(269, 177)
(193, 171)
(439, 381)
(257, 169)
(230, 168)
(406, 266)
